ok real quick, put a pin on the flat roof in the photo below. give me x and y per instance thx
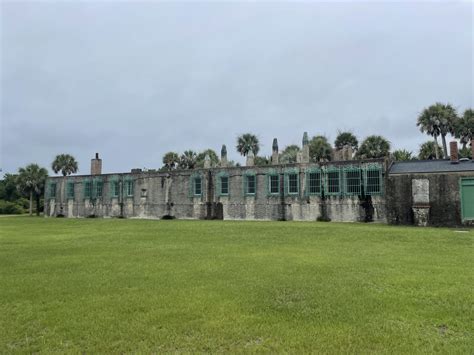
(430, 166)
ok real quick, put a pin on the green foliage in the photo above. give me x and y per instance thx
(346, 138)
(8, 207)
(188, 160)
(402, 155)
(428, 151)
(202, 156)
(374, 147)
(109, 286)
(8, 188)
(319, 149)
(464, 128)
(438, 120)
(31, 181)
(289, 154)
(465, 152)
(66, 164)
(262, 161)
(170, 161)
(248, 142)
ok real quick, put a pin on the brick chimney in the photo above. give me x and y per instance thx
(453, 148)
(96, 165)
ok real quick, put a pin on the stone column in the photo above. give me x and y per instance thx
(305, 152)
(275, 154)
(207, 162)
(420, 189)
(224, 161)
(250, 159)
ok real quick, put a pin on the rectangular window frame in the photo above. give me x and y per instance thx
(70, 193)
(329, 191)
(271, 185)
(248, 177)
(224, 191)
(370, 172)
(293, 183)
(87, 189)
(129, 188)
(99, 188)
(52, 190)
(352, 185)
(195, 185)
(318, 180)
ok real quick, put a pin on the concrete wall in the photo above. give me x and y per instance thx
(168, 194)
(444, 198)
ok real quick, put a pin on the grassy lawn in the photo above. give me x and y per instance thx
(93, 285)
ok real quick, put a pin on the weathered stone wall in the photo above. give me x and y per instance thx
(444, 198)
(157, 195)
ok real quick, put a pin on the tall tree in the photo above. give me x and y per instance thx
(170, 160)
(438, 120)
(248, 142)
(402, 155)
(346, 138)
(188, 160)
(289, 154)
(374, 147)
(428, 151)
(202, 156)
(66, 164)
(8, 188)
(319, 149)
(464, 128)
(31, 180)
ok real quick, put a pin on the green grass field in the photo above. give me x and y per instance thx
(93, 285)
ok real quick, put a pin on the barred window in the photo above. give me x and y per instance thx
(274, 184)
(315, 183)
(373, 181)
(224, 185)
(115, 188)
(70, 190)
(353, 182)
(293, 183)
(197, 186)
(129, 188)
(251, 184)
(87, 189)
(333, 182)
(98, 189)
(52, 190)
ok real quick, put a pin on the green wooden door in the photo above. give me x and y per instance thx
(467, 199)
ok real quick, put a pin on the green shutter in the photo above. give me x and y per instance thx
(467, 199)
(373, 180)
(352, 180)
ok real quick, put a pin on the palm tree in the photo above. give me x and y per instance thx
(374, 147)
(346, 138)
(464, 129)
(438, 120)
(188, 160)
(31, 180)
(170, 160)
(248, 142)
(402, 155)
(428, 151)
(66, 164)
(319, 149)
(289, 154)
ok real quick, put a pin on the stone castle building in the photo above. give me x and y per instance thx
(439, 192)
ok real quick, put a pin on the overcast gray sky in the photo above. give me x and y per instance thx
(134, 80)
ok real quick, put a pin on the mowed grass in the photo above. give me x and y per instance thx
(108, 285)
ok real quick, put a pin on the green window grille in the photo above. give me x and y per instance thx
(197, 186)
(373, 180)
(70, 190)
(114, 187)
(52, 190)
(352, 181)
(314, 182)
(333, 176)
(250, 183)
(87, 189)
(129, 188)
(224, 180)
(99, 188)
(274, 184)
(293, 183)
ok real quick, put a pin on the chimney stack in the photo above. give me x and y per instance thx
(224, 156)
(453, 148)
(305, 152)
(275, 156)
(96, 165)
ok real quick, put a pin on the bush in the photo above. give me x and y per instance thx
(7, 207)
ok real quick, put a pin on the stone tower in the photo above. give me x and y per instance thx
(275, 155)
(305, 152)
(224, 161)
(250, 159)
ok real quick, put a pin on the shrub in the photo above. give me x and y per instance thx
(7, 207)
